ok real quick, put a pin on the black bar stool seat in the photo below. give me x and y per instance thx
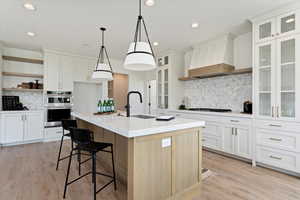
(83, 139)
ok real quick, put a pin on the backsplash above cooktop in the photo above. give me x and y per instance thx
(228, 92)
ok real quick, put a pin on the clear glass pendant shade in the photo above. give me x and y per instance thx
(140, 58)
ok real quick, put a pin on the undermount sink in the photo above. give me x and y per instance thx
(143, 116)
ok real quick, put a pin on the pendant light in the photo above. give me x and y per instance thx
(103, 70)
(140, 56)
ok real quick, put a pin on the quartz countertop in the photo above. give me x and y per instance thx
(224, 114)
(18, 111)
(134, 127)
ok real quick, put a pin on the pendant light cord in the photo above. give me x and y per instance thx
(102, 52)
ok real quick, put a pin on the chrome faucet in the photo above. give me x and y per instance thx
(128, 104)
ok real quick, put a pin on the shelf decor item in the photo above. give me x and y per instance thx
(140, 56)
(103, 70)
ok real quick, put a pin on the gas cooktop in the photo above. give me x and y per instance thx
(210, 109)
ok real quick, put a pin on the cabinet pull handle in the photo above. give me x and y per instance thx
(232, 131)
(236, 132)
(203, 140)
(277, 111)
(275, 157)
(276, 139)
(272, 111)
(275, 125)
(234, 120)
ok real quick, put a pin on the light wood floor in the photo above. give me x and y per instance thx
(27, 172)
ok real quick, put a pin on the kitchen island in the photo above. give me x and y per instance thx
(157, 160)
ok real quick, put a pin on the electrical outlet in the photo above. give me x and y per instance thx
(166, 142)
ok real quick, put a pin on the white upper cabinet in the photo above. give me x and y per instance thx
(276, 27)
(52, 75)
(288, 73)
(288, 24)
(277, 72)
(265, 74)
(265, 30)
(62, 70)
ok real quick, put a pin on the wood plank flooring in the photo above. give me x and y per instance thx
(27, 172)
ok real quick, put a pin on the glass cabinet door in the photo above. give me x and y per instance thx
(159, 89)
(265, 70)
(265, 31)
(288, 24)
(166, 88)
(286, 74)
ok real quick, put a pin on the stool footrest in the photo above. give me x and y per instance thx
(80, 177)
(104, 186)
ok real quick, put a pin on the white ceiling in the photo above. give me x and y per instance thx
(67, 25)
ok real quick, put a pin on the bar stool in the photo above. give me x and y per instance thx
(83, 138)
(66, 125)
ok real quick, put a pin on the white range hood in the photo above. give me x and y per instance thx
(213, 52)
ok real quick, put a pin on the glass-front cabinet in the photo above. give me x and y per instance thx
(277, 78)
(266, 72)
(163, 87)
(287, 74)
(163, 73)
(276, 27)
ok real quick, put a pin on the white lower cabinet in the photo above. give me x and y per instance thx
(237, 140)
(278, 144)
(52, 134)
(232, 135)
(12, 128)
(33, 126)
(21, 127)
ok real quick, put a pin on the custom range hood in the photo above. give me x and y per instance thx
(212, 58)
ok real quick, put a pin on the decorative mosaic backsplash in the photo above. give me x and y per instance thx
(32, 100)
(229, 92)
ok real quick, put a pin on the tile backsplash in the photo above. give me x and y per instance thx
(32, 100)
(229, 92)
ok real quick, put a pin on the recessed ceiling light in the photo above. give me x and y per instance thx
(195, 25)
(29, 6)
(290, 20)
(31, 34)
(149, 2)
(155, 43)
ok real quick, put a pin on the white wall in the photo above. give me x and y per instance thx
(86, 97)
(243, 51)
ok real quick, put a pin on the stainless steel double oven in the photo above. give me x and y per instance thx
(58, 106)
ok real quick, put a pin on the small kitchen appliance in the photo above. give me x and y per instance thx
(247, 107)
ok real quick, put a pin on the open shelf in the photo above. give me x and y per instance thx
(26, 60)
(22, 90)
(22, 74)
(235, 72)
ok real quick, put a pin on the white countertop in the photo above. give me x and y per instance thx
(18, 111)
(224, 114)
(135, 127)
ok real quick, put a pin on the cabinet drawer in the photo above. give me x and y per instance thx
(212, 142)
(237, 121)
(278, 139)
(53, 133)
(278, 158)
(278, 125)
(212, 129)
